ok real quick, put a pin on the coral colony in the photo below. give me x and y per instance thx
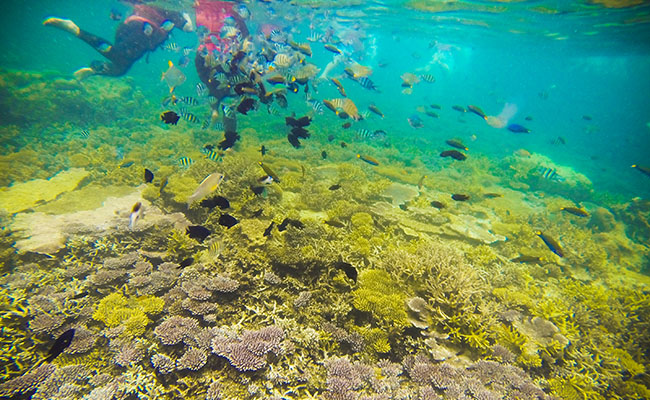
(339, 269)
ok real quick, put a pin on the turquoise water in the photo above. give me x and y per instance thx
(570, 323)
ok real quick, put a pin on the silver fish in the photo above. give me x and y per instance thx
(136, 213)
(209, 185)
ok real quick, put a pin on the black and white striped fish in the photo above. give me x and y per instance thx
(84, 133)
(366, 83)
(171, 46)
(185, 161)
(201, 90)
(428, 78)
(189, 117)
(550, 174)
(189, 100)
(206, 123)
(187, 50)
(218, 126)
(316, 105)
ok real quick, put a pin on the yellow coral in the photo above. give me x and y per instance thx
(115, 310)
(377, 295)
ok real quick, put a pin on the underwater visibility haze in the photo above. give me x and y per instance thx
(313, 199)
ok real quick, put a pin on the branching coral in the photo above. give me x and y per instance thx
(115, 310)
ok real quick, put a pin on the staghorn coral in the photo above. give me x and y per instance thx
(248, 351)
(27, 382)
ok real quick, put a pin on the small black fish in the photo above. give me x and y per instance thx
(126, 164)
(267, 231)
(404, 207)
(460, 197)
(186, 262)
(346, 125)
(170, 117)
(335, 224)
(293, 140)
(197, 232)
(642, 169)
(258, 190)
(323, 154)
(213, 202)
(528, 118)
(331, 138)
(349, 270)
(587, 117)
(148, 176)
(60, 344)
(257, 213)
(436, 106)
(299, 132)
(293, 222)
(263, 150)
(246, 105)
(343, 145)
(438, 204)
(335, 187)
(228, 221)
(230, 137)
(455, 154)
(298, 123)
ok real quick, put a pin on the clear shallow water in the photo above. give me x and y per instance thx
(579, 71)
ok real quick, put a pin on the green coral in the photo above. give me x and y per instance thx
(378, 295)
(115, 310)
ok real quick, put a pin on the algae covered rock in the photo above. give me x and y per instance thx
(25, 195)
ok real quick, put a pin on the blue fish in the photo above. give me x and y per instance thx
(516, 128)
(183, 61)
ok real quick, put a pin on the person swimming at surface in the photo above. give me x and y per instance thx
(143, 31)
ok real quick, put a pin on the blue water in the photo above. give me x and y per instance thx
(599, 68)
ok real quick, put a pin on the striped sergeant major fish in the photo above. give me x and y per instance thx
(84, 133)
(366, 83)
(550, 174)
(189, 117)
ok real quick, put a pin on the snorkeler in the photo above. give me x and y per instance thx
(146, 29)
(221, 32)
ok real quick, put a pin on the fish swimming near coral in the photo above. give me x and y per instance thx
(368, 159)
(198, 232)
(334, 223)
(127, 164)
(136, 214)
(438, 204)
(185, 161)
(218, 201)
(170, 117)
(290, 222)
(229, 139)
(228, 221)
(298, 123)
(455, 154)
(579, 212)
(148, 176)
(456, 144)
(460, 197)
(525, 259)
(269, 229)
(269, 171)
(551, 243)
(376, 110)
(207, 186)
(61, 343)
(174, 77)
(550, 174)
(335, 187)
